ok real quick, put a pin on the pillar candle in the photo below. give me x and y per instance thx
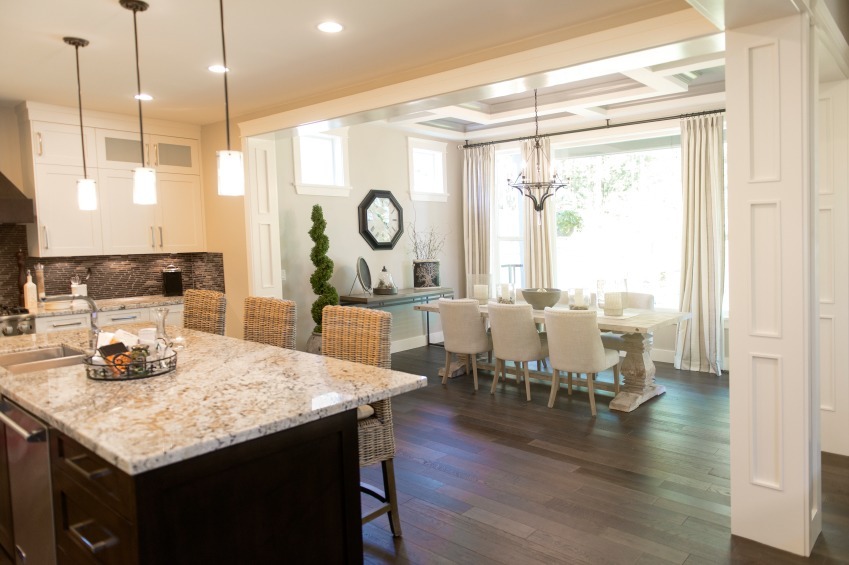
(481, 291)
(505, 291)
(579, 297)
(613, 301)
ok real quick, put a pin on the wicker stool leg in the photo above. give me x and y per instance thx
(389, 488)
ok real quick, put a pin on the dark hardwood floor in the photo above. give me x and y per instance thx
(495, 479)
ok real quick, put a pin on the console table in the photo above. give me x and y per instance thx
(404, 296)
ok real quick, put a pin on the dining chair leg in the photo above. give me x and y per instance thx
(591, 391)
(495, 375)
(389, 488)
(447, 366)
(616, 378)
(555, 384)
(527, 381)
(475, 369)
(569, 383)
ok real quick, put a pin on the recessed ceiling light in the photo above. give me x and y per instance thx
(143, 96)
(330, 27)
(218, 68)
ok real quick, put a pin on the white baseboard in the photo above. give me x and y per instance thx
(413, 342)
(663, 355)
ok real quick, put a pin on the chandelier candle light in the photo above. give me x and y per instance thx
(144, 178)
(538, 191)
(86, 187)
(231, 170)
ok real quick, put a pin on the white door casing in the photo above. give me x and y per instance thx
(263, 219)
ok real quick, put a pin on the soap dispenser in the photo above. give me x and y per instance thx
(30, 294)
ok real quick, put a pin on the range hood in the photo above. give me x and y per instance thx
(15, 207)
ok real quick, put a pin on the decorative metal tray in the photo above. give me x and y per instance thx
(125, 367)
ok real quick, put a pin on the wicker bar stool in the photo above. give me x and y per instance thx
(204, 310)
(270, 321)
(362, 335)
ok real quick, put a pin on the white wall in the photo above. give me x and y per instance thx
(10, 147)
(378, 160)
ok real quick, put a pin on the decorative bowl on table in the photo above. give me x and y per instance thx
(540, 298)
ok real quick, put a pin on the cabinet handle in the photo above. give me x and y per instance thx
(123, 318)
(156, 154)
(66, 324)
(161, 239)
(97, 546)
(46, 239)
(91, 475)
(40, 145)
(152, 238)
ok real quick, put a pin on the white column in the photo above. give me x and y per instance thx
(772, 212)
(833, 267)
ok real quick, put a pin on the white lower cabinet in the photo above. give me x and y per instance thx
(50, 324)
(117, 317)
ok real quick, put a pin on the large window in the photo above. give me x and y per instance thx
(508, 231)
(621, 217)
(321, 163)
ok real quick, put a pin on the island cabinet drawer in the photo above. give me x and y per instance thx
(123, 316)
(88, 531)
(105, 482)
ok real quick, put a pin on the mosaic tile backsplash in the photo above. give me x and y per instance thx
(112, 276)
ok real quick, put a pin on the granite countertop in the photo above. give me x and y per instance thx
(107, 305)
(224, 391)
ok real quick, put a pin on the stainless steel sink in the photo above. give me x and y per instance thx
(40, 359)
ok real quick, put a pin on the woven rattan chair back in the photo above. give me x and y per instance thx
(363, 336)
(204, 310)
(270, 321)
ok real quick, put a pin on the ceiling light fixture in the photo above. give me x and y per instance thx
(143, 97)
(231, 170)
(218, 68)
(330, 27)
(144, 178)
(86, 187)
(538, 191)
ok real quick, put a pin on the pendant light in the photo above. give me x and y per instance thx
(144, 178)
(86, 187)
(231, 170)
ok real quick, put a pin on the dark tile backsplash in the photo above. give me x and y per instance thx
(112, 276)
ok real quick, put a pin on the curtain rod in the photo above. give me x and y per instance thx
(608, 125)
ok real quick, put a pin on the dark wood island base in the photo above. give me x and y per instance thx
(289, 497)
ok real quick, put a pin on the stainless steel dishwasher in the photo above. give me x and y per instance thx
(30, 485)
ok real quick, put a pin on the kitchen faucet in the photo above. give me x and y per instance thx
(91, 304)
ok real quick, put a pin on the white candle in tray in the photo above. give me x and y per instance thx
(505, 291)
(613, 301)
(579, 297)
(481, 291)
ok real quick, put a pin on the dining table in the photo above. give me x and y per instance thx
(637, 328)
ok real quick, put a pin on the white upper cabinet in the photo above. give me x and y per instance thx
(59, 144)
(167, 154)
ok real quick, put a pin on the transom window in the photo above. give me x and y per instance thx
(428, 176)
(321, 163)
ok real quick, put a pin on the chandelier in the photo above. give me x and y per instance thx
(538, 191)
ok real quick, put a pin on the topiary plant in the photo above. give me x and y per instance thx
(327, 295)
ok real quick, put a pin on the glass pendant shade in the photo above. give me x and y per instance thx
(87, 194)
(144, 186)
(231, 173)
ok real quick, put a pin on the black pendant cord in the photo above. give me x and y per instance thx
(138, 85)
(608, 125)
(226, 70)
(77, 43)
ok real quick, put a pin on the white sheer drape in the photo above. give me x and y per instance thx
(540, 251)
(700, 340)
(478, 178)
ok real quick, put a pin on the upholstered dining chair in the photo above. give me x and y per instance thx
(204, 310)
(464, 332)
(643, 301)
(515, 338)
(576, 347)
(363, 335)
(270, 321)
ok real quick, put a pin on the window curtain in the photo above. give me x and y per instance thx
(700, 339)
(478, 178)
(540, 251)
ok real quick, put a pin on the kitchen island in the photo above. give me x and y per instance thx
(245, 454)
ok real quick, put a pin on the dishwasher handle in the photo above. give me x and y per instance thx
(34, 436)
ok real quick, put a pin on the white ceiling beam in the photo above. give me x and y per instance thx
(661, 83)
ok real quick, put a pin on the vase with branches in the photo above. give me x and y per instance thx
(426, 247)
